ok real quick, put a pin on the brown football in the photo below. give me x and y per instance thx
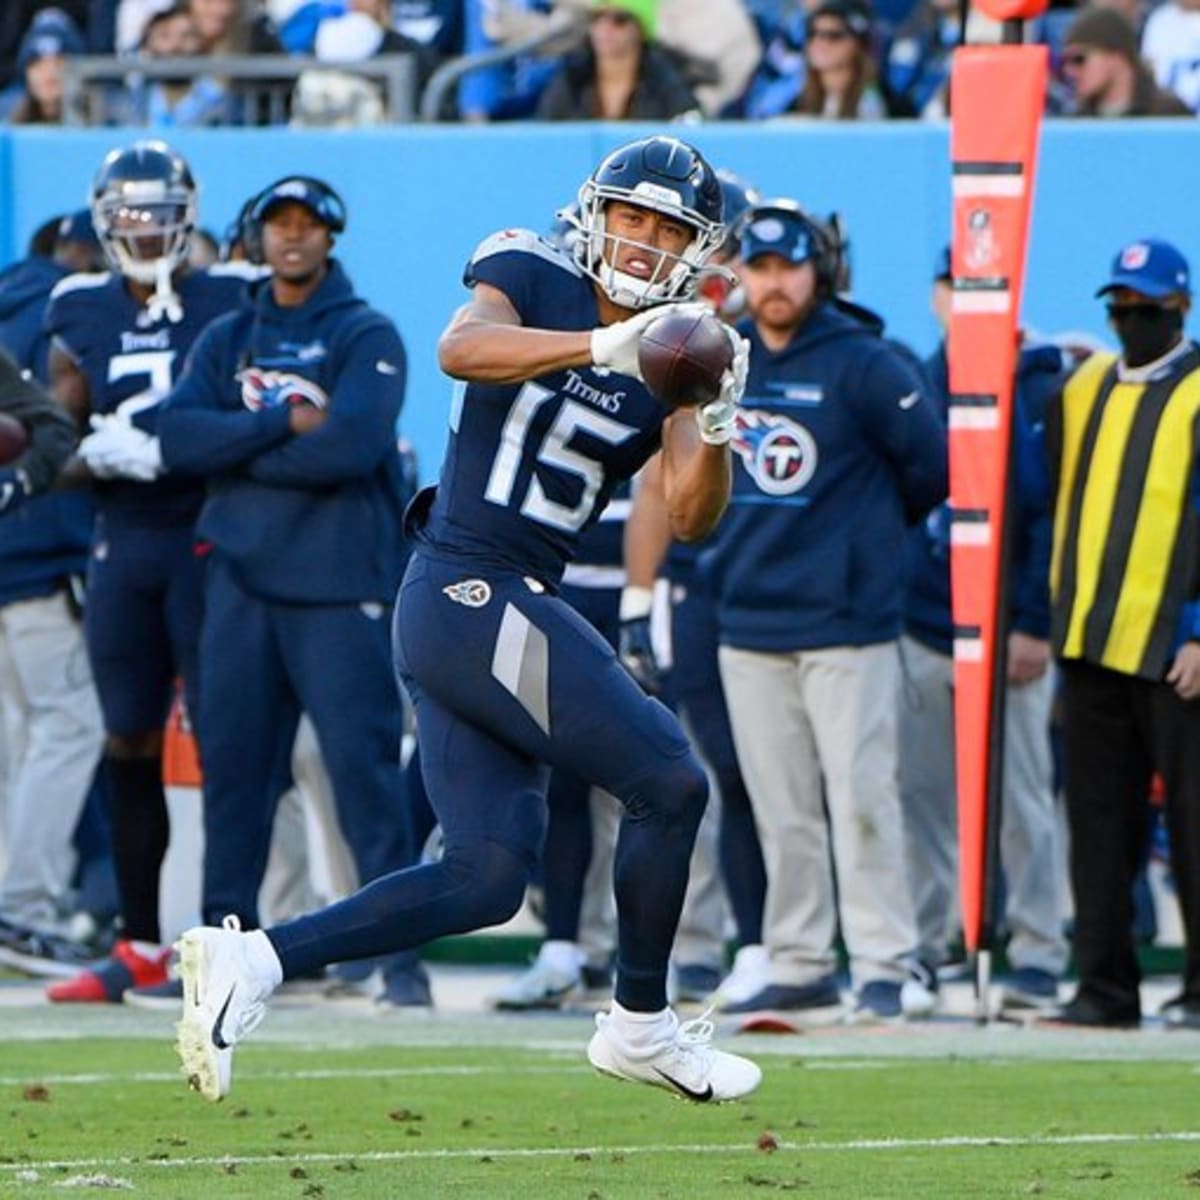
(682, 357)
(13, 439)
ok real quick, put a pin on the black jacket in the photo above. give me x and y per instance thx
(51, 432)
(660, 94)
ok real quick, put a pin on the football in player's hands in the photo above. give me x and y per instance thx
(683, 355)
(13, 439)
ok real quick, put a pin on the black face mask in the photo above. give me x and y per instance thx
(1145, 331)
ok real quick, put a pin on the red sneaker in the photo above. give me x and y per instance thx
(108, 982)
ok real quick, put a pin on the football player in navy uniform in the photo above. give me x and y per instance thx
(507, 680)
(118, 342)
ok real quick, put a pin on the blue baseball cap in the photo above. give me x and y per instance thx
(314, 194)
(779, 227)
(1152, 267)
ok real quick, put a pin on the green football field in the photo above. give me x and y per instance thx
(337, 1104)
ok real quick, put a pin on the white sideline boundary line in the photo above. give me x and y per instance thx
(493, 1152)
(315, 1073)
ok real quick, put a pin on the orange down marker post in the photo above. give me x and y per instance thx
(998, 93)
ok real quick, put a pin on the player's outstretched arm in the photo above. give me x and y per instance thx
(696, 478)
(485, 342)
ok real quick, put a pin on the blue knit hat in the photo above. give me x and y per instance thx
(52, 34)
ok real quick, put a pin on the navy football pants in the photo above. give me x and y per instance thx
(264, 663)
(145, 601)
(506, 681)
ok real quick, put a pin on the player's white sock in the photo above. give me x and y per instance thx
(262, 957)
(642, 1031)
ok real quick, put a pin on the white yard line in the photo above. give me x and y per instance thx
(1000, 1141)
(316, 1073)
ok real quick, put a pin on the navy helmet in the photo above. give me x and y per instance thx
(669, 177)
(143, 203)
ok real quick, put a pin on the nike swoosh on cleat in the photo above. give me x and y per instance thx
(684, 1090)
(217, 1039)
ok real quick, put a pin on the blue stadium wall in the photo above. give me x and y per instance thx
(419, 199)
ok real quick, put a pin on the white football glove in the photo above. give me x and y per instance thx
(718, 418)
(615, 347)
(115, 449)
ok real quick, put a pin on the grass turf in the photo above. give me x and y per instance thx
(502, 1122)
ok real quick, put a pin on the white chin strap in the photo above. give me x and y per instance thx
(164, 301)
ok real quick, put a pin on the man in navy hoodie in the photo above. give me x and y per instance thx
(289, 408)
(838, 449)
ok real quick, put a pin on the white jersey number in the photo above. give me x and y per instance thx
(155, 365)
(553, 452)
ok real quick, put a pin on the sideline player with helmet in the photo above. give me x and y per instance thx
(118, 342)
(506, 679)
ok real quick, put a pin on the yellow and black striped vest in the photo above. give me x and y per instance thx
(1126, 554)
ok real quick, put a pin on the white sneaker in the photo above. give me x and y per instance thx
(542, 986)
(750, 973)
(685, 1063)
(224, 998)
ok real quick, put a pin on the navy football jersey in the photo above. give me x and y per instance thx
(530, 466)
(131, 362)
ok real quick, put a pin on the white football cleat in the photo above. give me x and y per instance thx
(684, 1063)
(224, 998)
(541, 986)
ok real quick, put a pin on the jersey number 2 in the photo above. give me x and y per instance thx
(155, 365)
(553, 452)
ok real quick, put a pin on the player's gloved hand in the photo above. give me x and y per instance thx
(636, 647)
(718, 418)
(117, 450)
(615, 346)
(14, 489)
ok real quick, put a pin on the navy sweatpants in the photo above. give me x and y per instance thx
(265, 663)
(507, 681)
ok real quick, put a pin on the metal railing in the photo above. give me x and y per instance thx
(96, 87)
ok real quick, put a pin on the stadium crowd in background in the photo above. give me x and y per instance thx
(577, 59)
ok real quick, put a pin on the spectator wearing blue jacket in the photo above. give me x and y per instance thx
(1032, 853)
(289, 408)
(838, 450)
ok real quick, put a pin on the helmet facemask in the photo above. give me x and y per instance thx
(674, 276)
(145, 228)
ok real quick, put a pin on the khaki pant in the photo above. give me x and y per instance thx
(54, 739)
(1032, 851)
(799, 720)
